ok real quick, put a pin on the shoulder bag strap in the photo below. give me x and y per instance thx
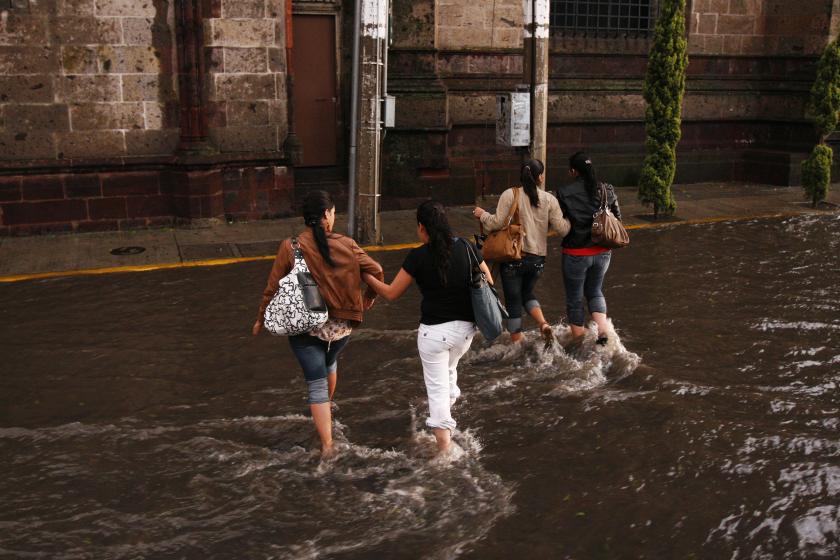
(514, 208)
(604, 195)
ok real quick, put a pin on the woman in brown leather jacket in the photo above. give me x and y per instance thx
(336, 263)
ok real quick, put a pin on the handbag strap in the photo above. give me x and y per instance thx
(514, 208)
(471, 256)
(604, 195)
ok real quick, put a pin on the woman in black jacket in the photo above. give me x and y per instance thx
(584, 263)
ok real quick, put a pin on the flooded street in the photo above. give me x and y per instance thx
(139, 418)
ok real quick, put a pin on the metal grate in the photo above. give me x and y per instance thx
(607, 17)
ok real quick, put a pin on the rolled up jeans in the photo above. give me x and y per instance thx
(583, 277)
(440, 348)
(519, 278)
(318, 359)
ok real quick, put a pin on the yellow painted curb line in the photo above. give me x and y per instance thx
(369, 248)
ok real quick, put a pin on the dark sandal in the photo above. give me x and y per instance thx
(602, 340)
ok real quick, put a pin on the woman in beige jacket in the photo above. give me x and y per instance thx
(537, 212)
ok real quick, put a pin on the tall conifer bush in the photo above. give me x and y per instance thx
(822, 109)
(663, 91)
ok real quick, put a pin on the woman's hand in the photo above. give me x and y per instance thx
(478, 212)
(368, 301)
(255, 330)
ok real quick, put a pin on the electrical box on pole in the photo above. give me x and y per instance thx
(513, 119)
(389, 112)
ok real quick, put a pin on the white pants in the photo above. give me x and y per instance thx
(441, 347)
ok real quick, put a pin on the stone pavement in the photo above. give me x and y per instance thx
(183, 246)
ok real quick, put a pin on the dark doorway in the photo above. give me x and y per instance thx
(316, 92)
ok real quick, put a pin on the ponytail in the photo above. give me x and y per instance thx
(581, 163)
(432, 216)
(315, 203)
(530, 172)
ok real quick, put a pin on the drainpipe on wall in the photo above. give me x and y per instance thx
(292, 146)
(354, 118)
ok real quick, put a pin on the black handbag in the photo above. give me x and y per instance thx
(488, 311)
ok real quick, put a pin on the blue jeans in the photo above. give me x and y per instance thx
(584, 277)
(318, 359)
(518, 281)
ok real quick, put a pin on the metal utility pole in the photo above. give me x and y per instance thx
(366, 140)
(536, 71)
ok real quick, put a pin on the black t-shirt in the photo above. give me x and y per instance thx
(443, 303)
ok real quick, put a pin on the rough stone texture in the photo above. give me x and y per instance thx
(474, 25)
(107, 116)
(240, 33)
(90, 144)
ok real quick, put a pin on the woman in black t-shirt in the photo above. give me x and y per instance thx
(442, 269)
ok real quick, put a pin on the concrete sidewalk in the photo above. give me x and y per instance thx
(228, 242)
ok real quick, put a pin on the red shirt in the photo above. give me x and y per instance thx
(585, 251)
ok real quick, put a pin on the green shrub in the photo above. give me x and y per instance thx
(816, 173)
(663, 92)
(823, 108)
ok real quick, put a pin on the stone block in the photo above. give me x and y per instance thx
(717, 6)
(151, 142)
(246, 138)
(243, 9)
(91, 144)
(44, 187)
(245, 86)
(129, 60)
(277, 60)
(79, 60)
(85, 31)
(34, 144)
(707, 24)
(757, 44)
(82, 185)
(32, 88)
(713, 44)
(254, 113)
(76, 7)
(87, 89)
(137, 30)
(472, 109)
(149, 206)
(276, 9)
(107, 208)
(21, 29)
(422, 111)
(22, 213)
(278, 112)
(507, 38)
(240, 33)
(107, 116)
(10, 189)
(745, 7)
(160, 116)
(735, 24)
(140, 183)
(26, 117)
(246, 60)
(28, 60)
(137, 8)
(143, 87)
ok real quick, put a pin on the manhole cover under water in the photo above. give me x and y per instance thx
(127, 250)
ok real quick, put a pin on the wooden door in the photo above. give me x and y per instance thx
(316, 95)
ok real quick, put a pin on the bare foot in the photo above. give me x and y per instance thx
(328, 452)
(548, 335)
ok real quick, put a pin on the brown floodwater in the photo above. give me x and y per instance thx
(139, 418)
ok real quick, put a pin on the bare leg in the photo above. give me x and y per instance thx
(444, 439)
(537, 314)
(601, 320)
(545, 328)
(516, 337)
(332, 379)
(323, 424)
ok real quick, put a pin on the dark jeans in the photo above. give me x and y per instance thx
(318, 359)
(518, 281)
(584, 277)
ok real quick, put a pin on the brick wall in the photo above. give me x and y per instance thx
(247, 76)
(467, 24)
(756, 27)
(86, 79)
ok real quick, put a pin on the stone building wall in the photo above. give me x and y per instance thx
(93, 119)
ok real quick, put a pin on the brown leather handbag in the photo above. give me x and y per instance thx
(505, 245)
(607, 230)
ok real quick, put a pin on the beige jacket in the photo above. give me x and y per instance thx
(535, 221)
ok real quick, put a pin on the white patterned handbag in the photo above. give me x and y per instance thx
(297, 307)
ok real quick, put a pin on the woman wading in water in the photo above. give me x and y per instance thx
(538, 211)
(336, 263)
(584, 263)
(441, 267)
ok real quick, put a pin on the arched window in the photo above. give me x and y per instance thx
(603, 17)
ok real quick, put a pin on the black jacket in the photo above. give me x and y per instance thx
(579, 208)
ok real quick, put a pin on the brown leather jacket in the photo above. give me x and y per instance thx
(340, 286)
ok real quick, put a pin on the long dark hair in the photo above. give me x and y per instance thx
(530, 172)
(581, 163)
(315, 203)
(432, 216)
